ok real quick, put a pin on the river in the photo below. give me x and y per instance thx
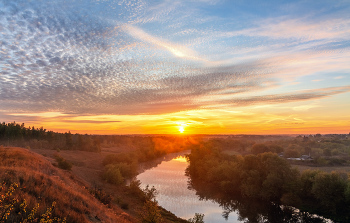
(167, 175)
(169, 179)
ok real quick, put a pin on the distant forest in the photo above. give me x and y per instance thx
(14, 134)
(268, 178)
(18, 135)
(148, 147)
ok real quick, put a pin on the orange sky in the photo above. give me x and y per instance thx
(166, 67)
(288, 118)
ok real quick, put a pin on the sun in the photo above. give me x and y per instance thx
(181, 129)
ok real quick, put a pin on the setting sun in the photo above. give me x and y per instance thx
(181, 129)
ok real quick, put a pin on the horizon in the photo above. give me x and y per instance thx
(208, 67)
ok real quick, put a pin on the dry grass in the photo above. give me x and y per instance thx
(43, 183)
(88, 168)
(86, 165)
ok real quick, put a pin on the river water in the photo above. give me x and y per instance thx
(169, 179)
(167, 175)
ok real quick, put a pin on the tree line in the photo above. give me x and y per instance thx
(125, 165)
(268, 177)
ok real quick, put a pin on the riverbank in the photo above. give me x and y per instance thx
(88, 166)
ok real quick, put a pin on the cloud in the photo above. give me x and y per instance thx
(75, 60)
(297, 28)
(290, 97)
(175, 49)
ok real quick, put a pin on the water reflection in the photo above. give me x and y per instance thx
(253, 211)
(168, 177)
(185, 198)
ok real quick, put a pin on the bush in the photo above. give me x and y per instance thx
(336, 161)
(198, 218)
(127, 170)
(291, 153)
(13, 208)
(124, 206)
(135, 188)
(62, 163)
(316, 152)
(276, 148)
(335, 152)
(321, 161)
(112, 175)
(327, 152)
(101, 195)
(150, 213)
(260, 148)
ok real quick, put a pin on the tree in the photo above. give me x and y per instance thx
(81, 142)
(327, 152)
(69, 140)
(291, 153)
(329, 189)
(112, 175)
(260, 148)
(276, 148)
(150, 212)
(198, 218)
(62, 163)
(307, 150)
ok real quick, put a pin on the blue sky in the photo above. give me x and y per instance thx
(131, 60)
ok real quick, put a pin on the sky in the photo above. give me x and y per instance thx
(171, 66)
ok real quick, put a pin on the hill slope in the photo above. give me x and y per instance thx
(40, 183)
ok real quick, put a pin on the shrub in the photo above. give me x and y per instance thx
(13, 208)
(327, 152)
(112, 175)
(198, 218)
(335, 152)
(124, 206)
(150, 194)
(101, 195)
(260, 148)
(276, 148)
(336, 161)
(150, 213)
(135, 188)
(127, 170)
(291, 153)
(321, 161)
(62, 163)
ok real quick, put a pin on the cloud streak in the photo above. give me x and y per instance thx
(144, 57)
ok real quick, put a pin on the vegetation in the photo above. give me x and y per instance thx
(34, 190)
(101, 195)
(327, 150)
(267, 177)
(150, 212)
(112, 175)
(62, 163)
(125, 165)
(198, 218)
(15, 134)
(13, 209)
(259, 176)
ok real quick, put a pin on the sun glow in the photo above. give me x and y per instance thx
(181, 159)
(181, 129)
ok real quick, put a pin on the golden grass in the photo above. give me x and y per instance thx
(88, 168)
(42, 183)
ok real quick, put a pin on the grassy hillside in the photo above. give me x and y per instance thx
(41, 186)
